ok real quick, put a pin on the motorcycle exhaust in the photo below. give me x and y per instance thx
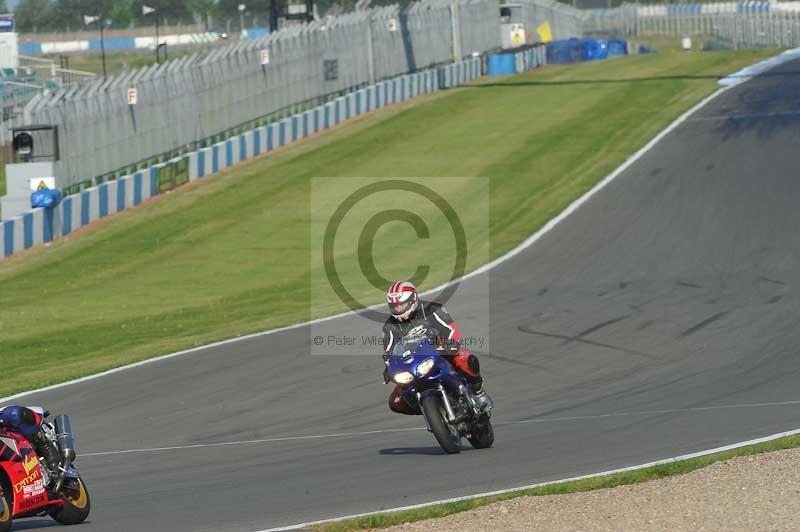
(64, 439)
(66, 447)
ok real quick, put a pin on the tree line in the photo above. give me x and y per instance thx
(217, 15)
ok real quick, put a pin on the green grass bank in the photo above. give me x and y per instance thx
(230, 255)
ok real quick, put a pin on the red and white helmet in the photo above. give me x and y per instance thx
(403, 299)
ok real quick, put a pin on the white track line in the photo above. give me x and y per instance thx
(486, 267)
(531, 486)
(760, 67)
(246, 442)
(389, 431)
(744, 116)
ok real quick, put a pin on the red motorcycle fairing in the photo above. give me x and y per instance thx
(24, 472)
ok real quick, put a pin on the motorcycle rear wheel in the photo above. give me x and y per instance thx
(448, 437)
(6, 519)
(76, 507)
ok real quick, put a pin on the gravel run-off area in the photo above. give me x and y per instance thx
(753, 493)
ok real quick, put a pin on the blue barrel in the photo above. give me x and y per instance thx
(502, 64)
(594, 49)
(617, 47)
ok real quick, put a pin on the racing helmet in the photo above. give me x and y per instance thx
(402, 299)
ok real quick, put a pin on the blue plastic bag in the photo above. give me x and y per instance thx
(46, 198)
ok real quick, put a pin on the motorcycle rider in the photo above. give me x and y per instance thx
(28, 422)
(411, 315)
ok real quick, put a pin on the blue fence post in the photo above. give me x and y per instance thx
(120, 195)
(270, 137)
(243, 147)
(103, 204)
(27, 230)
(137, 188)
(66, 225)
(47, 225)
(201, 163)
(228, 153)
(256, 142)
(8, 238)
(85, 208)
(153, 181)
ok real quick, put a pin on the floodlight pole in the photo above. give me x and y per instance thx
(158, 50)
(102, 23)
(242, 33)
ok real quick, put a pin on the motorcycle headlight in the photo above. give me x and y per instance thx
(403, 377)
(425, 367)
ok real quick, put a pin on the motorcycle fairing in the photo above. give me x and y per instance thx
(27, 483)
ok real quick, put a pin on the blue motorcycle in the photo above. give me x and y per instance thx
(432, 386)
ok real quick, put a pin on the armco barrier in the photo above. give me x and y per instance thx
(43, 225)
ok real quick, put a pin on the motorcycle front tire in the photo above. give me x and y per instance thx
(482, 436)
(448, 437)
(6, 519)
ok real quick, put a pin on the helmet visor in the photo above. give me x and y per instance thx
(398, 308)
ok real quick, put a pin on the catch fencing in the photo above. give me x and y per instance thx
(729, 24)
(78, 210)
(197, 100)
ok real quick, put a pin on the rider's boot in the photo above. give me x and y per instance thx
(483, 398)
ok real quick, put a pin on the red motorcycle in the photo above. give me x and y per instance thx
(32, 488)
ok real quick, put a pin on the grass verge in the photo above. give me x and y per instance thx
(384, 520)
(231, 254)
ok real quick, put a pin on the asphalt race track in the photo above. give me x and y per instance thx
(661, 318)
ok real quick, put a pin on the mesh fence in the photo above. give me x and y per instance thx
(730, 25)
(199, 99)
(195, 100)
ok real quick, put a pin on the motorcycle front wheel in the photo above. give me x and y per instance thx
(448, 437)
(6, 520)
(76, 506)
(482, 436)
